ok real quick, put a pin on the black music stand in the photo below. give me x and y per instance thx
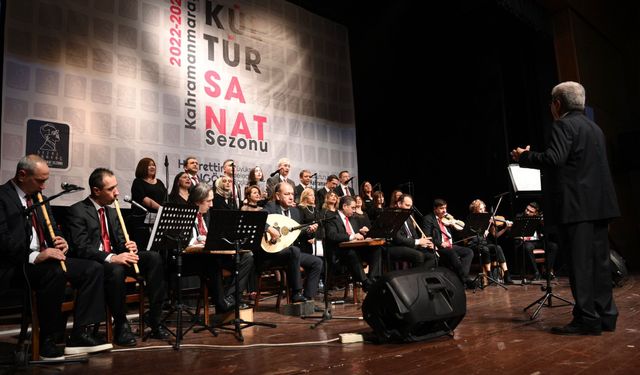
(547, 288)
(524, 226)
(477, 224)
(233, 230)
(385, 226)
(172, 229)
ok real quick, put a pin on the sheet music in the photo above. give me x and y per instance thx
(524, 179)
(318, 249)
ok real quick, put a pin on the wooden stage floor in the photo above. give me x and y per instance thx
(495, 337)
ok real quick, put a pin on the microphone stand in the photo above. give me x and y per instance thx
(166, 176)
(234, 197)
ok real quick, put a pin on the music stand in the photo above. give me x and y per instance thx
(524, 226)
(231, 230)
(172, 228)
(385, 226)
(548, 295)
(476, 225)
(388, 223)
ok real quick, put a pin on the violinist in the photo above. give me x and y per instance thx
(488, 249)
(438, 225)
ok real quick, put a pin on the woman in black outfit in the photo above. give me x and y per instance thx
(150, 192)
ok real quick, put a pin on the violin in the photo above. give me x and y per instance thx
(500, 221)
(450, 221)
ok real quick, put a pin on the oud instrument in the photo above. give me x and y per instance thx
(45, 214)
(124, 231)
(289, 231)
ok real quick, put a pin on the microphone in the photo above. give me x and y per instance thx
(70, 187)
(166, 161)
(129, 200)
(314, 175)
(349, 180)
(275, 173)
(404, 184)
(501, 194)
(378, 185)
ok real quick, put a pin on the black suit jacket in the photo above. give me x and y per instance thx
(403, 239)
(578, 182)
(15, 232)
(336, 232)
(431, 228)
(85, 232)
(340, 192)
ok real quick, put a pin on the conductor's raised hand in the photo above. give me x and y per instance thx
(515, 154)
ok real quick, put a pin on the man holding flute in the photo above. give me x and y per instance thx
(96, 234)
(28, 248)
(407, 244)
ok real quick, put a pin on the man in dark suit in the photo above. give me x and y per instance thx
(343, 189)
(284, 167)
(95, 234)
(341, 229)
(407, 245)
(26, 248)
(457, 258)
(292, 256)
(305, 182)
(331, 184)
(583, 200)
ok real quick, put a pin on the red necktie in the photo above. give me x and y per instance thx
(106, 243)
(446, 241)
(348, 226)
(38, 228)
(202, 230)
(346, 191)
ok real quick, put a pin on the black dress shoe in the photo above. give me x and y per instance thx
(82, 342)
(49, 350)
(298, 298)
(123, 335)
(159, 333)
(573, 329)
(508, 280)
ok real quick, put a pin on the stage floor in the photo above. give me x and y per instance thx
(495, 337)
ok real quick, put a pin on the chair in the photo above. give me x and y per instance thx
(30, 312)
(129, 298)
(277, 274)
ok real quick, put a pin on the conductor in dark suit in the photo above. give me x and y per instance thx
(292, 256)
(96, 235)
(341, 229)
(583, 201)
(26, 248)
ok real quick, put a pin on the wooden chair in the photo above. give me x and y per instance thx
(138, 297)
(31, 313)
(277, 274)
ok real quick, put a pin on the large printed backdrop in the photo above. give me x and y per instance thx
(104, 83)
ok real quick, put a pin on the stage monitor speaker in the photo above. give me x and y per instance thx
(619, 272)
(415, 304)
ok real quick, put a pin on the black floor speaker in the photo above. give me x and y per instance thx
(415, 305)
(619, 272)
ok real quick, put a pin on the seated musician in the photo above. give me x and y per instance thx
(407, 244)
(34, 255)
(341, 229)
(208, 265)
(291, 256)
(458, 258)
(536, 242)
(95, 234)
(488, 248)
